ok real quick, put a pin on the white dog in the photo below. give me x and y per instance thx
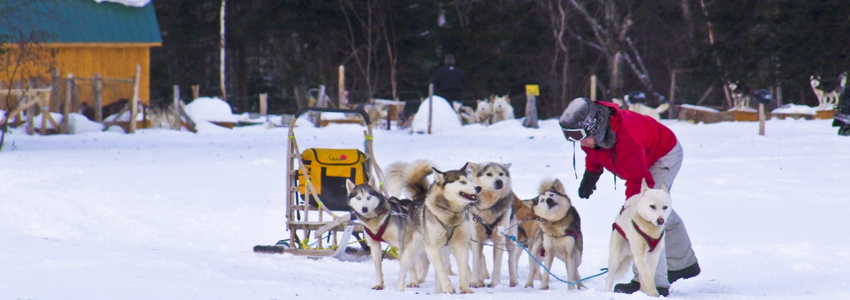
(638, 236)
(502, 109)
(641, 108)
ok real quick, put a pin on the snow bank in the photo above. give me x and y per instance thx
(210, 109)
(133, 3)
(697, 107)
(78, 123)
(444, 117)
(795, 109)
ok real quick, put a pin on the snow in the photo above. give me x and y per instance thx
(210, 109)
(697, 107)
(444, 118)
(165, 214)
(795, 109)
(133, 3)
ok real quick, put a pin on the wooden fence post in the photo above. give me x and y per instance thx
(97, 87)
(761, 118)
(176, 108)
(342, 101)
(66, 110)
(134, 104)
(531, 92)
(430, 105)
(55, 99)
(196, 91)
(264, 104)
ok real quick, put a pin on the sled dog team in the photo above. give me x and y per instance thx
(464, 209)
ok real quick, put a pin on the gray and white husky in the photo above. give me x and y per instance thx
(384, 220)
(492, 212)
(560, 226)
(638, 236)
(438, 218)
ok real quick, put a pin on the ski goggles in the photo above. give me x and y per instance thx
(580, 133)
(575, 134)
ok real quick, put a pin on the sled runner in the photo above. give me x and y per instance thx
(316, 197)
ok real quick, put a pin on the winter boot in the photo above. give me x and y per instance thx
(634, 286)
(687, 272)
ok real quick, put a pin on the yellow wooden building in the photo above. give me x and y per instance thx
(84, 38)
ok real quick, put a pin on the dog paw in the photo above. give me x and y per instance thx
(514, 283)
(477, 284)
(581, 286)
(378, 287)
(544, 287)
(529, 285)
(465, 291)
(493, 284)
(413, 285)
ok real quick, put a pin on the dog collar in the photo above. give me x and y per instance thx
(650, 241)
(488, 228)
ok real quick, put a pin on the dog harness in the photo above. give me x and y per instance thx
(651, 242)
(380, 235)
(488, 228)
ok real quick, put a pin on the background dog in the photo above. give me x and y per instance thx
(438, 218)
(493, 211)
(638, 236)
(502, 109)
(384, 220)
(529, 236)
(639, 106)
(561, 229)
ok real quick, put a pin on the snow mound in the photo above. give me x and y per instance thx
(697, 107)
(444, 117)
(78, 123)
(210, 109)
(795, 109)
(133, 3)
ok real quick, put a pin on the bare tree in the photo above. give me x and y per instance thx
(610, 26)
(367, 30)
(561, 59)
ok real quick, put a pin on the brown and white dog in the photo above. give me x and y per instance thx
(560, 227)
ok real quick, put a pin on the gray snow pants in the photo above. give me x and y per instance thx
(678, 253)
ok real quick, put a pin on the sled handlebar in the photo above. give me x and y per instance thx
(338, 110)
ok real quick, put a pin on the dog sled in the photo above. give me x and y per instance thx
(317, 215)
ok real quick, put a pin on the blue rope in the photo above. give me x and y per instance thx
(513, 238)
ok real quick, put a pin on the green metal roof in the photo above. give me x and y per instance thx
(81, 21)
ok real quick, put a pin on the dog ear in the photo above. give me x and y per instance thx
(471, 168)
(492, 98)
(558, 187)
(508, 99)
(349, 186)
(643, 185)
(529, 203)
(439, 176)
(373, 182)
(507, 166)
(665, 187)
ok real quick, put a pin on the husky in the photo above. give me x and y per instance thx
(484, 112)
(502, 109)
(438, 217)
(530, 237)
(493, 211)
(384, 220)
(638, 236)
(560, 227)
(641, 108)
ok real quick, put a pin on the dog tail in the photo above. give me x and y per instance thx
(662, 108)
(410, 177)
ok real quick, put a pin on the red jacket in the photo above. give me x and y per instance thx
(641, 141)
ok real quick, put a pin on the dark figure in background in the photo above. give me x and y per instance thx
(449, 81)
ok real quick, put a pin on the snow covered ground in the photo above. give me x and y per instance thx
(166, 214)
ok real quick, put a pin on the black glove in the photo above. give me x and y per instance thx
(588, 184)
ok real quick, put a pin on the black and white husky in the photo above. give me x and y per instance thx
(384, 220)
